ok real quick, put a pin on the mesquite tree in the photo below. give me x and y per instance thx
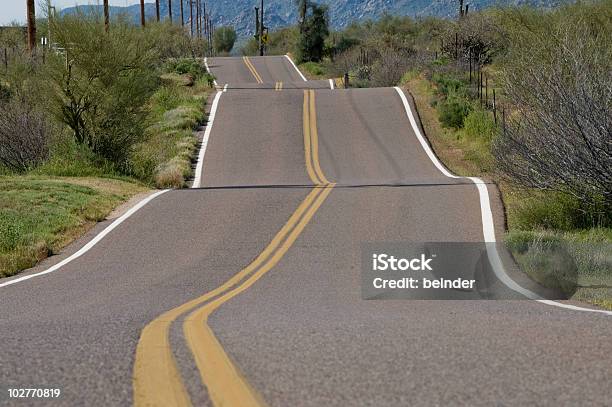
(559, 135)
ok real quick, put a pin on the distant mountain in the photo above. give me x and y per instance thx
(281, 13)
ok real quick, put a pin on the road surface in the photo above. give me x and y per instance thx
(247, 290)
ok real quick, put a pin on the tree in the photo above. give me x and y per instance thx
(224, 39)
(315, 29)
(558, 80)
(142, 13)
(302, 9)
(102, 94)
(24, 135)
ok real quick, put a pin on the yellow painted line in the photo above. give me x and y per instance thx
(307, 140)
(156, 379)
(226, 385)
(251, 67)
(314, 135)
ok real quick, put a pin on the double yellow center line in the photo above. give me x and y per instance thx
(311, 140)
(251, 67)
(157, 380)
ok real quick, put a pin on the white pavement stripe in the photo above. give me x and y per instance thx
(91, 243)
(296, 68)
(488, 227)
(211, 119)
(208, 70)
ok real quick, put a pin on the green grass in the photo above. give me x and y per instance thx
(39, 216)
(313, 70)
(177, 109)
(577, 262)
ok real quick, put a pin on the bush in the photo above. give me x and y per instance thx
(479, 125)
(313, 68)
(557, 78)
(24, 136)
(102, 95)
(447, 85)
(224, 39)
(453, 111)
(189, 66)
(553, 210)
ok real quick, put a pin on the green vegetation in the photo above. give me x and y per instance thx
(86, 127)
(314, 30)
(313, 70)
(224, 39)
(176, 110)
(39, 216)
(308, 42)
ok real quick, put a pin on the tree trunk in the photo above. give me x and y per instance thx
(106, 16)
(170, 10)
(157, 9)
(31, 25)
(182, 15)
(142, 13)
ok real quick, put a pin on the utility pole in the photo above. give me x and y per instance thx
(198, 21)
(157, 9)
(106, 16)
(49, 16)
(142, 13)
(261, 31)
(182, 15)
(31, 25)
(191, 15)
(170, 10)
(257, 33)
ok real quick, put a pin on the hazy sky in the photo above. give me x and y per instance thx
(15, 10)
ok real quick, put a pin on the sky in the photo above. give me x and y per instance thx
(15, 10)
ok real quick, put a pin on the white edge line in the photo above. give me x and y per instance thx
(487, 221)
(91, 243)
(211, 118)
(208, 70)
(331, 84)
(131, 211)
(296, 68)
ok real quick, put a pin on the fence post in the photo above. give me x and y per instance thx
(494, 107)
(5, 60)
(486, 92)
(346, 81)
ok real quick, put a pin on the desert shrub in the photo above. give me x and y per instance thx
(24, 136)
(453, 111)
(184, 66)
(389, 68)
(479, 125)
(554, 210)
(101, 95)
(224, 39)
(447, 85)
(313, 68)
(557, 77)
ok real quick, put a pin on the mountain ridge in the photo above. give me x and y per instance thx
(282, 13)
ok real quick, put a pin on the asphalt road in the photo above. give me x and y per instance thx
(247, 291)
